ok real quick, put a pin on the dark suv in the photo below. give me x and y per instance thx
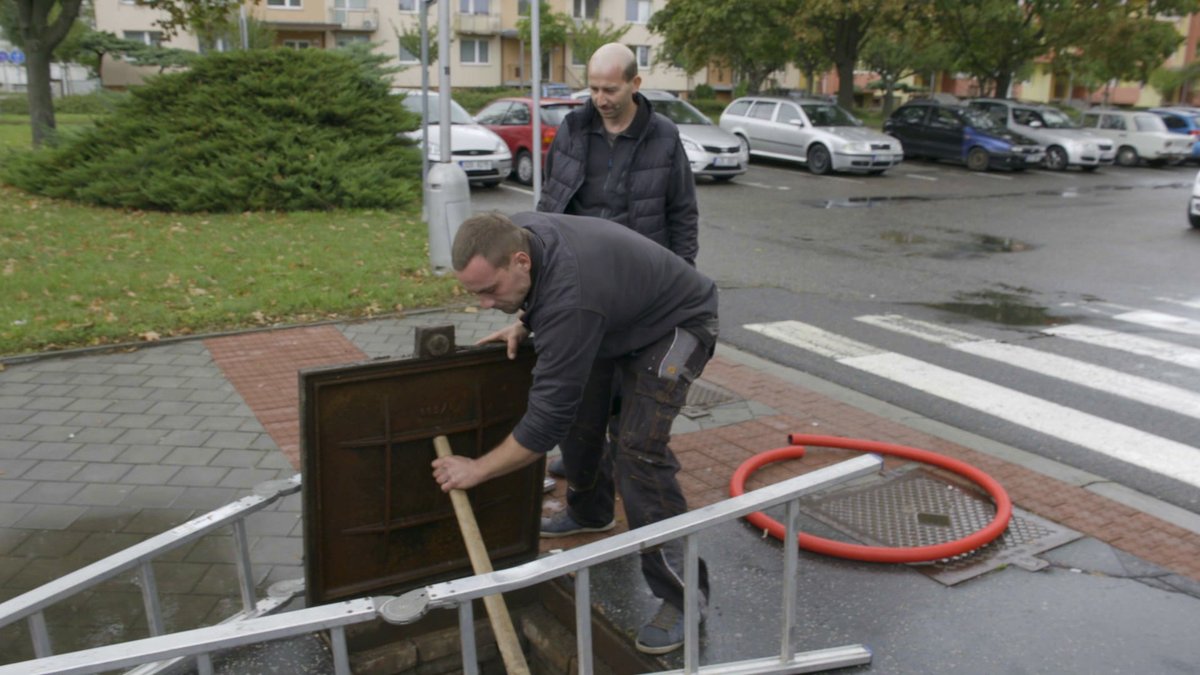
(950, 131)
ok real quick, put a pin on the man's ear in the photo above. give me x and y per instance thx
(522, 260)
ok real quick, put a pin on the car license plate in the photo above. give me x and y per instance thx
(725, 161)
(476, 165)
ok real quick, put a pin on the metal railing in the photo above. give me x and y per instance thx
(31, 606)
(458, 594)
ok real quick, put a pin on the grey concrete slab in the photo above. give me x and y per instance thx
(49, 492)
(50, 517)
(101, 494)
(98, 472)
(54, 470)
(151, 474)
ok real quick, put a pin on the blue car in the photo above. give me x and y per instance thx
(1182, 120)
(955, 132)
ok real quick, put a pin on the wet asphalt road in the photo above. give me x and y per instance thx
(999, 256)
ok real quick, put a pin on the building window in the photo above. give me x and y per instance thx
(643, 55)
(577, 58)
(473, 51)
(408, 5)
(408, 57)
(347, 40)
(290, 4)
(146, 37)
(297, 44)
(220, 44)
(637, 11)
(473, 6)
(585, 9)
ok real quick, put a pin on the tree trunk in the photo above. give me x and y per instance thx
(889, 99)
(845, 71)
(1003, 82)
(41, 101)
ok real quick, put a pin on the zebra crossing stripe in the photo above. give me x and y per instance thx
(1175, 324)
(1107, 380)
(1133, 344)
(1118, 441)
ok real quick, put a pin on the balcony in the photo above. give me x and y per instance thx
(351, 19)
(477, 24)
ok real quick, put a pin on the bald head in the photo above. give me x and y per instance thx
(614, 56)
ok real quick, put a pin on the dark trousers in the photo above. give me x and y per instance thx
(635, 457)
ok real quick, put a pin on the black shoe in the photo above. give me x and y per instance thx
(664, 633)
(556, 468)
(562, 524)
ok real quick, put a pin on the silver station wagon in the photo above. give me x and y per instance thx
(818, 133)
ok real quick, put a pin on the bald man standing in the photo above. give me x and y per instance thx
(615, 158)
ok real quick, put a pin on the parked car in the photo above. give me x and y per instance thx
(482, 154)
(711, 150)
(1139, 135)
(1181, 120)
(1194, 204)
(512, 120)
(555, 90)
(958, 133)
(817, 133)
(1066, 143)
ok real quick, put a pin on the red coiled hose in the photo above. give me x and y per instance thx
(885, 554)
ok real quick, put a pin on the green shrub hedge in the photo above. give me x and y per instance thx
(251, 130)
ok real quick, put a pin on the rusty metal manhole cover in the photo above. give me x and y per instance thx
(917, 507)
(374, 518)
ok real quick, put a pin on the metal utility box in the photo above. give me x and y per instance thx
(375, 521)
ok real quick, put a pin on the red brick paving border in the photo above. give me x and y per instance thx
(264, 369)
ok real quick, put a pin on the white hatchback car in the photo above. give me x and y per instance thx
(711, 150)
(818, 133)
(482, 154)
(1138, 136)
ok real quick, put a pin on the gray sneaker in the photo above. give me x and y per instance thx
(562, 524)
(664, 633)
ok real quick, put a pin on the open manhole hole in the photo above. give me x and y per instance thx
(917, 507)
(703, 396)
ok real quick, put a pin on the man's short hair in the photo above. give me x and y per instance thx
(491, 235)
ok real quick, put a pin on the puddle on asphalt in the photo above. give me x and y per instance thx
(1009, 309)
(973, 245)
(1067, 193)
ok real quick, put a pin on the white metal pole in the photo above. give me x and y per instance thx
(444, 80)
(536, 25)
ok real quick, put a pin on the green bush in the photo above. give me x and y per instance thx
(240, 131)
(704, 91)
(709, 106)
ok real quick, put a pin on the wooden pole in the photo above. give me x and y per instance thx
(502, 626)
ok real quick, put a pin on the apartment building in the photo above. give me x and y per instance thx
(485, 51)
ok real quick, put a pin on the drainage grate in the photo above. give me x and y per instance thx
(703, 395)
(916, 507)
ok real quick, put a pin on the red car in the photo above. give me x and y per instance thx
(512, 120)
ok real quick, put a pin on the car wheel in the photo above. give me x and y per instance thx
(1088, 169)
(818, 160)
(977, 159)
(744, 141)
(1127, 156)
(1056, 158)
(1193, 219)
(524, 167)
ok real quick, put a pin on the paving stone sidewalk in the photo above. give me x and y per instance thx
(102, 449)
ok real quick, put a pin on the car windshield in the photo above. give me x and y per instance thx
(1055, 119)
(458, 115)
(828, 115)
(679, 112)
(554, 114)
(980, 120)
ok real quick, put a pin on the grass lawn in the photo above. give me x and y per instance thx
(14, 129)
(77, 275)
